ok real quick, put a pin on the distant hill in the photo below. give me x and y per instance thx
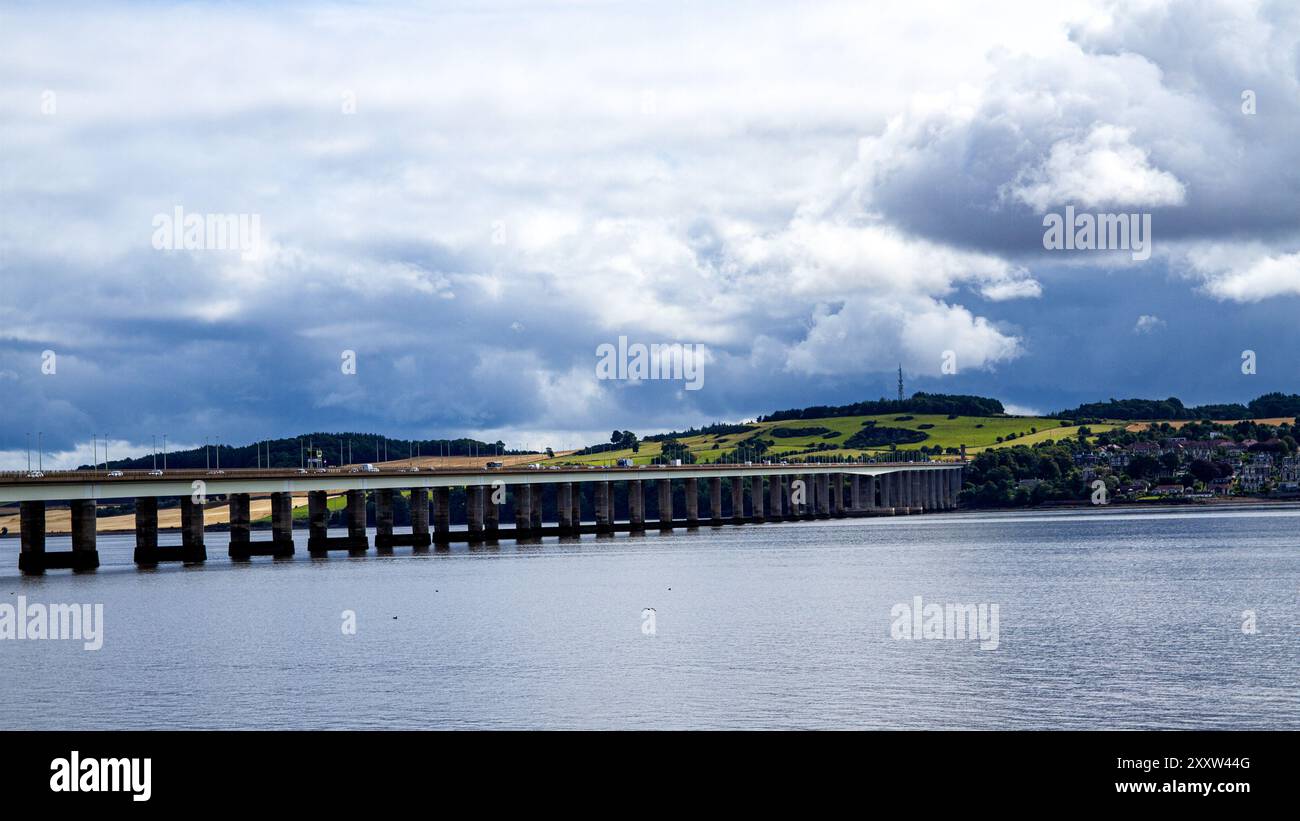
(288, 452)
(840, 438)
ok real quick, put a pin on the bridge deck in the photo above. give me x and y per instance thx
(19, 486)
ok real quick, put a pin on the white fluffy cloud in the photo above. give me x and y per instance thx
(1102, 168)
(1245, 272)
(868, 335)
(1148, 324)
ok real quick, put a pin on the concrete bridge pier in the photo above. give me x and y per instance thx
(756, 498)
(242, 547)
(523, 511)
(33, 560)
(868, 497)
(85, 556)
(665, 503)
(786, 506)
(603, 523)
(146, 531)
(31, 518)
(491, 514)
(737, 499)
(823, 496)
(318, 517)
(692, 488)
(774, 499)
(358, 542)
(535, 512)
(281, 525)
(715, 501)
(241, 534)
(192, 548)
(474, 512)
(564, 507)
(636, 505)
(442, 516)
(420, 539)
(609, 507)
(384, 520)
(577, 508)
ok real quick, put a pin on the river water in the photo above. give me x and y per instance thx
(1106, 619)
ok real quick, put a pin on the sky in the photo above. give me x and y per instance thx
(448, 208)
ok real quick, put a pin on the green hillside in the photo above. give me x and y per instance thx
(851, 436)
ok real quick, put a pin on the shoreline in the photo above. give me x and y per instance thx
(1228, 503)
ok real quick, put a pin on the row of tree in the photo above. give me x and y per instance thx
(1269, 405)
(335, 448)
(921, 402)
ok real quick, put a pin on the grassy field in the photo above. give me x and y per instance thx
(975, 432)
(1178, 423)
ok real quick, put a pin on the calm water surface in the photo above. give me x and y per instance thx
(1107, 620)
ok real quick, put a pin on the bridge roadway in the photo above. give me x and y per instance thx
(776, 492)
